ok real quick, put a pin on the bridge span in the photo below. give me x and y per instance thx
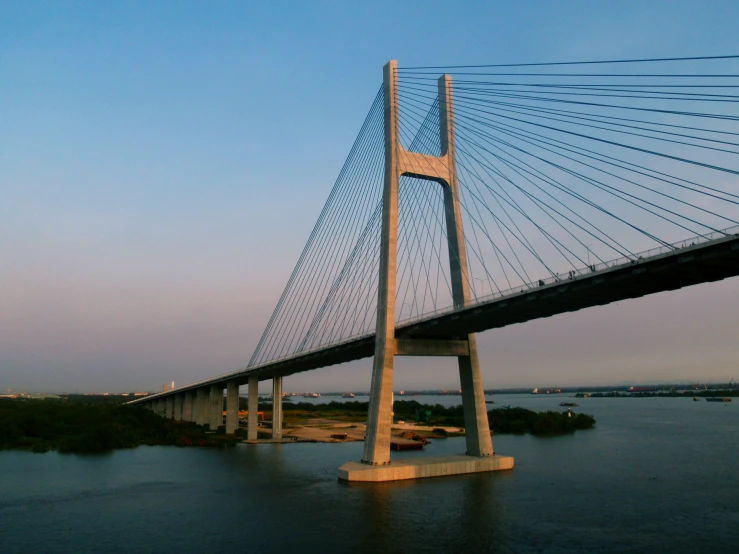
(692, 262)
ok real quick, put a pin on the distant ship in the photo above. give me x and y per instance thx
(548, 391)
(311, 395)
(347, 395)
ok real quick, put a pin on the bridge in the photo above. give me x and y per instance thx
(559, 186)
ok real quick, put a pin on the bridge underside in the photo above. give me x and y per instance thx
(713, 261)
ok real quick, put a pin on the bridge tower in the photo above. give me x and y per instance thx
(441, 171)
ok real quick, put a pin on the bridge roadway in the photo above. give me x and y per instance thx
(689, 265)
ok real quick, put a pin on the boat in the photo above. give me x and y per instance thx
(718, 399)
(347, 395)
(400, 446)
(696, 399)
(490, 402)
(572, 404)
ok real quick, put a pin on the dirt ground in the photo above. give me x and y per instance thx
(320, 430)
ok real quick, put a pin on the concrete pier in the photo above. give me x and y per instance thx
(161, 407)
(252, 425)
(187, 406)
(277, 408)
(178, 399)
(215, 405)
(200, 402)
(232, 407)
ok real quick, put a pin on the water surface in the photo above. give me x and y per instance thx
(655, 475)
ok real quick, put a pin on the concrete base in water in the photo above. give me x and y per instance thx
(419, 468)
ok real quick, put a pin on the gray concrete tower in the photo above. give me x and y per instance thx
(442, 170)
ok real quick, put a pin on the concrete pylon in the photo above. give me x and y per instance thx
(161, 406)
(232, 407)
(253, 417)
(215, 404)
(277, 407)
(442, 170)
(188, 405)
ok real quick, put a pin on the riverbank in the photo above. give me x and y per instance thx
(89, 425)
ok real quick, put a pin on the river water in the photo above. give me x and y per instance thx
(655, 475)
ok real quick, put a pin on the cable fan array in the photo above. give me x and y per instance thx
(560, 171)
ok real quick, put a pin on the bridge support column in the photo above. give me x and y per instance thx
(200, 402)
(161, 406)
(178, 406)
(169, 414)
(187, 406)
(253, 416)
(379, 420)
(277, 408)
(442, 170)
(476, 424)
(232, 407)
(477, 428)
(215, 415)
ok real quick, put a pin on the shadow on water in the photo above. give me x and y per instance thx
(442, 514)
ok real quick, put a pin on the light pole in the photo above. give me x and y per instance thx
(588, 250)
(483, 281)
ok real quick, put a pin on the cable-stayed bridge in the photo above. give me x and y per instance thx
(476, 197)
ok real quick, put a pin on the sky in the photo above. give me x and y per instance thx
(163, 163)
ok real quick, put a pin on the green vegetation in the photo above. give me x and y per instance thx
(519, 420)
(92, 424)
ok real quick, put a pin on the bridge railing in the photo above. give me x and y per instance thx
(639, 257)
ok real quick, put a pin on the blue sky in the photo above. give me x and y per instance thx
(162, 164)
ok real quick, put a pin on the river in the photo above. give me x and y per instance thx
(655, 475)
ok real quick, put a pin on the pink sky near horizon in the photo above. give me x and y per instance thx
(162, 168)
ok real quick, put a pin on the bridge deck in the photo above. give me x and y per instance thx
(700, 263)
